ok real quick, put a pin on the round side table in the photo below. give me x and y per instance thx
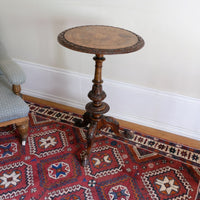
(99, 40)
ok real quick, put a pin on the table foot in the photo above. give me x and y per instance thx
(85, 161)
(127, 134)
(86, 120)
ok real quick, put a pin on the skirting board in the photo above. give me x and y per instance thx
(145, 106)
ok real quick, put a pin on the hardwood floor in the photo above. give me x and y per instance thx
(143, 129)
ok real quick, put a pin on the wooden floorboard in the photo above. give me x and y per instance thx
(142, 129)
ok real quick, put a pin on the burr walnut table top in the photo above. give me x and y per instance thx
(97, 39)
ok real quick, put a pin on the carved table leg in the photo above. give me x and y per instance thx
(114, 125)
(90, 135)
(86, 120)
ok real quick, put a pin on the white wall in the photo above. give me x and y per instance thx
(169, 62)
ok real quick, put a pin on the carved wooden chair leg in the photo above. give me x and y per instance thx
(23, 130)
(16, 89)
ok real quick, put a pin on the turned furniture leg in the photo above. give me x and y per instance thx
(16, 89)
(22, 127)
(96, 109)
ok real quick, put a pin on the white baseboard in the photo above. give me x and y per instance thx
(149, 107)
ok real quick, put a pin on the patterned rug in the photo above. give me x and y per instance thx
(49, 167)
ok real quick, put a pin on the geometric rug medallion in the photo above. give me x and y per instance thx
(15, 179)
(105, 161)
(168, 181)
(47, 143)
(48, 167)
(58, 171)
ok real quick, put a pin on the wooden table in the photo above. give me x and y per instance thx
(99, 40)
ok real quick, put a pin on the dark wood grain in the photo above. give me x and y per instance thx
(99, 39)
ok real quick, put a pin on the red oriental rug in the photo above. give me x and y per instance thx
(49, 167)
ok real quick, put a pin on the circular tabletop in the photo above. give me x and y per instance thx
(97, 39)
